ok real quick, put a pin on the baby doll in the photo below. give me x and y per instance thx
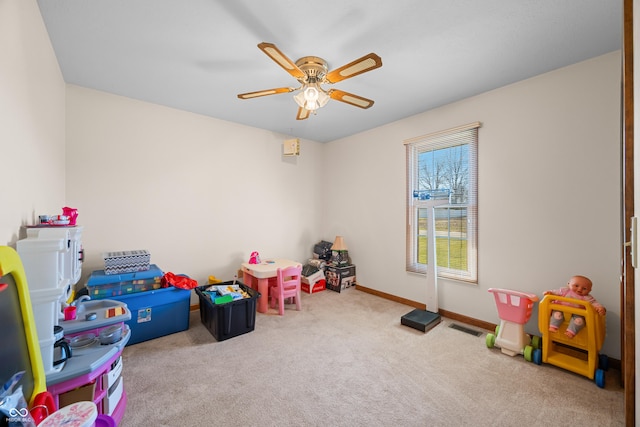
(578, 287)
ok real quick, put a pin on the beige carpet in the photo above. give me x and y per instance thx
(345, 360)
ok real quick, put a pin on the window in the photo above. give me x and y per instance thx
(442, 182)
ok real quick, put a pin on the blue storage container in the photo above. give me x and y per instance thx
(156, 313)
(101, 285)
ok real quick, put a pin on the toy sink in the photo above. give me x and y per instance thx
(106, 312)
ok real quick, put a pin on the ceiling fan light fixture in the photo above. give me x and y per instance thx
(311, 72)
(311, 93)
(299, 98)
(323, 98)
(311, 97)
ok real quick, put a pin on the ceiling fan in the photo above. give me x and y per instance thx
(312, 72)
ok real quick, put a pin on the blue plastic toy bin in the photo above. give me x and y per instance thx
(156, 313)
(101, 285)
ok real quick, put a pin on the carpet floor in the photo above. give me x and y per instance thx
(345, 360)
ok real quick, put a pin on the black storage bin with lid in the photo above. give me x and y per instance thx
(230, 319)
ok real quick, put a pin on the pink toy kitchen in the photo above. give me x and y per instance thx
(67, 354)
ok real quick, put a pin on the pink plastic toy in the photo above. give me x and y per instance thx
(514, 309)
(72, 213)
(254, 258)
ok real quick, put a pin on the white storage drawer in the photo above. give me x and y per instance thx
(113, 396)
(109, 378)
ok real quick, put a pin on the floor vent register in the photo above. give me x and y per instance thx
(465, 329)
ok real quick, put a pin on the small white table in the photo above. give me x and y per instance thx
(257, 276)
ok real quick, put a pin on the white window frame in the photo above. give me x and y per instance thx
(466, 134)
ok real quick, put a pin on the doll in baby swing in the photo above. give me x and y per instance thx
(578, 287)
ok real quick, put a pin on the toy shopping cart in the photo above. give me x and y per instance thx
(514, 309)
(580, 353)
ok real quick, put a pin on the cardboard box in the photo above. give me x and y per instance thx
(318, 286)
(340, 278)
(312, 278)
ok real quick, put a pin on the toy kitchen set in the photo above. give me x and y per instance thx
(81, 341)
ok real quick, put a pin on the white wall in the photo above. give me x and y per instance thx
(549, 192)
(32, 128)
(199, 193)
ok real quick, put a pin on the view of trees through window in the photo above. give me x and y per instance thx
(445, 169)
(444, 172)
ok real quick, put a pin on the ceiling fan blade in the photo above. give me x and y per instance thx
(350, 98)
(362, 65)
(281, 59)
(266, 92)
(303, 113)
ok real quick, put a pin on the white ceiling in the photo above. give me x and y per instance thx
(197, 55)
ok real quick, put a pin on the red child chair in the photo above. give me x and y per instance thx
(287, 286)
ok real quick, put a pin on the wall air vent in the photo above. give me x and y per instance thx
(291, 147)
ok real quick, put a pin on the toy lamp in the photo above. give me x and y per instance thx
(339, 253)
